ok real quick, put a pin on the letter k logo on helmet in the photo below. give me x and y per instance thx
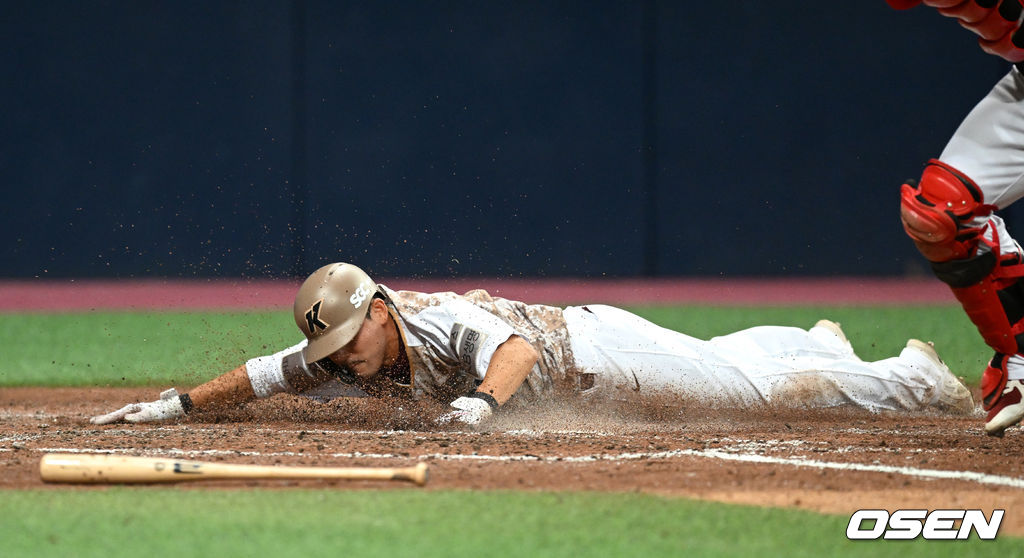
(313, 320)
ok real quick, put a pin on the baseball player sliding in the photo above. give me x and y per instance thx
(950, 212)
(477, 352)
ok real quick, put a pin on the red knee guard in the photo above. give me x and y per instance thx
(937, 212)
(939, 215)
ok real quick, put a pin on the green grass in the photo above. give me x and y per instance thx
(157, 349)
(140, 521)
(132, 349)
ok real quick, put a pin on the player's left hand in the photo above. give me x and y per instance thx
(468, 410)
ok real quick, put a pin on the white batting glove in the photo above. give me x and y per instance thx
(169, 406)
(469, 410)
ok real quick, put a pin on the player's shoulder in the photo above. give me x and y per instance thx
(415, 302)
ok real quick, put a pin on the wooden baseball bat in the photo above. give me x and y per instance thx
(103, 468)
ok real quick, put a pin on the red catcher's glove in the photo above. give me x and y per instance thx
(996, 22)
(902, 4)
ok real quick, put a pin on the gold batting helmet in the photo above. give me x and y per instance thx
(330, 308)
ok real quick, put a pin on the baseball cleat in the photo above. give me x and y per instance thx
(954, 397)
(1007, 411)
(836, 331)
(834, 328)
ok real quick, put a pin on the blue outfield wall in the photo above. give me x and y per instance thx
(261, 138)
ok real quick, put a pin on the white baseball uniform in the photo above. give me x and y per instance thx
(449, 340)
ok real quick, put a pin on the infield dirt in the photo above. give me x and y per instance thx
(772, 457)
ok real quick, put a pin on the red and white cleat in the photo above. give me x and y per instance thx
(1007, 410)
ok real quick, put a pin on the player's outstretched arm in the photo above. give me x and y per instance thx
(226, 390)
(508, 369)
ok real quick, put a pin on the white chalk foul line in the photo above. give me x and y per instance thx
(972, 476)
(969, 476)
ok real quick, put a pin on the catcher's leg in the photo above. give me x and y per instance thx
(969, 249)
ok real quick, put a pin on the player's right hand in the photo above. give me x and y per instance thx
(167, 407)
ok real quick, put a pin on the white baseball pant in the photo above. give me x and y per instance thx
(765, 364)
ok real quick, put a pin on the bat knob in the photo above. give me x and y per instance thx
(421, 474)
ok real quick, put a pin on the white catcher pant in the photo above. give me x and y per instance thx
(765, 364)
(989, 144)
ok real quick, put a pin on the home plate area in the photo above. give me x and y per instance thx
(833, 461)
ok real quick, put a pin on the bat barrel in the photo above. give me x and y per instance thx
(82, 468)
(85, 468)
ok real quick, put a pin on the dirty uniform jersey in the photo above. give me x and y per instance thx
(447, 344)
(448, 341)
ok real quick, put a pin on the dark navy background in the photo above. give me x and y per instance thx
(262, 139)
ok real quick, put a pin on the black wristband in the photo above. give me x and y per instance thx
(486, 397)
(186, 402)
